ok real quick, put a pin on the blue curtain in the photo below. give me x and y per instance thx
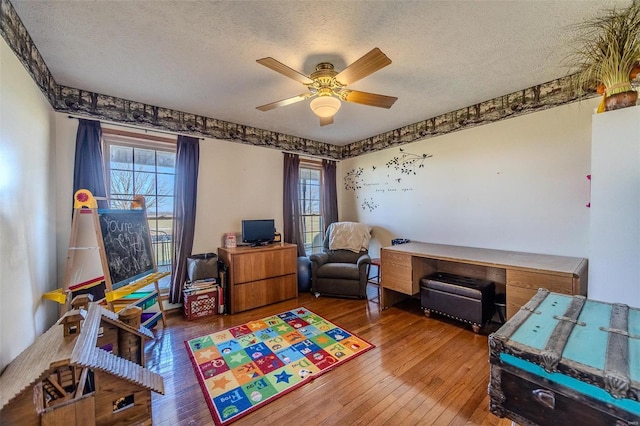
(88, 170)
(329, 194)
(291, 208)
(184, 211)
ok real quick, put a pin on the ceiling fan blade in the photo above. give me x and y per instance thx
(325, 121)
(284, 102)
(368, 64)
(284, 70)
(371, 99)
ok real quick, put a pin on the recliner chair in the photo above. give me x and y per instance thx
(339, 272)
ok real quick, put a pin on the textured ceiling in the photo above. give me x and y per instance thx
(200, 56)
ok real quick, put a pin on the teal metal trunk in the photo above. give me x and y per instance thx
(567, 360)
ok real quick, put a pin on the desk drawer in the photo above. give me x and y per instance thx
(517, 297)
(536, 280)
(523, 285)
(397, 277)
(396, 272)
(395, 257)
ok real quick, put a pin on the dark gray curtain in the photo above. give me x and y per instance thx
(291, 207)
(329, 193)
(88, 169)
(184, 211)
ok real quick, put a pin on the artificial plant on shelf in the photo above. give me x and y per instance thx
(607, 56)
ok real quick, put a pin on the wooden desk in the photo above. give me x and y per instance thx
(518, 274)
(259, 276)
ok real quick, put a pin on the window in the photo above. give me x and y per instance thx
(143, 166)
(310, 205)
(123, 403)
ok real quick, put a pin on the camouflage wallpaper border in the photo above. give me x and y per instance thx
(19, 40)
(79, 102)
(543, 96)
(111, 108)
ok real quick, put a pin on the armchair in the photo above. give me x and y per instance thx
(342, 271)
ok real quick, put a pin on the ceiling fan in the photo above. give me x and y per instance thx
(329, 86)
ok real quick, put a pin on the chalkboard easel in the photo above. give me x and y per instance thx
(127, 245)
(111, 256)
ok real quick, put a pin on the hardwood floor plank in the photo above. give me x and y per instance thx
(439, 383)
(422, 370)
(449, 406)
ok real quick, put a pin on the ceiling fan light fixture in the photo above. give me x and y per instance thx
(325, 106)
(328, 88)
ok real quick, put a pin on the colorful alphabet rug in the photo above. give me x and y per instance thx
(245, 367)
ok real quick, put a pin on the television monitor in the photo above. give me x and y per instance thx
(258, 232)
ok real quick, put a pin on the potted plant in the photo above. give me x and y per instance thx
(607, 56)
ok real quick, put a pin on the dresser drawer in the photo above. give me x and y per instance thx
(264, 292)
(249, 267)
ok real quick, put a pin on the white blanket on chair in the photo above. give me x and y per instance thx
(349, 236)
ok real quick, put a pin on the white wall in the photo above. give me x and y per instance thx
(519, 184)
(27, 209)
(235, 182)
(614, 257)
(65, 140)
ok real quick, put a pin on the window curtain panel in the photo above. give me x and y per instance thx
(184, 211)
(329, 194)
(291, 207)
(88, 168)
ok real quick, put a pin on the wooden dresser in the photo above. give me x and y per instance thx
(517, 274)
(259, 276)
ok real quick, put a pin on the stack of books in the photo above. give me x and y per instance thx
(200, 286)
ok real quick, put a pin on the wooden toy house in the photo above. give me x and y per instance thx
(88, 369)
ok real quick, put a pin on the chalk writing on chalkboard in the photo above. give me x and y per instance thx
(127, 245)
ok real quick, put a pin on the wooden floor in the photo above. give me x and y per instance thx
(423, 371)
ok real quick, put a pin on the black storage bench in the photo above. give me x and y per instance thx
(466, 299)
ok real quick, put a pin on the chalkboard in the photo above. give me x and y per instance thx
(127, 245)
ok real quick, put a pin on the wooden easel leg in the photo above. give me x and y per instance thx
(160, 305)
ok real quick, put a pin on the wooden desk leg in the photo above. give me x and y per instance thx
(389, 297)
